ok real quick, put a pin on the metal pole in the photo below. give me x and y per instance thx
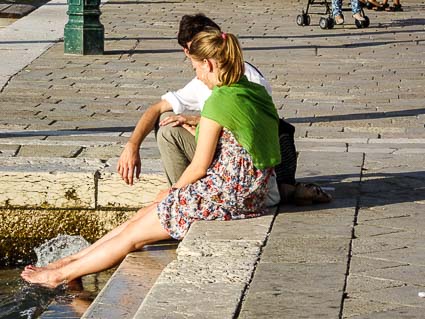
(84, 34)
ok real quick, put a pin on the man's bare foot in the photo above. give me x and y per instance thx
(47, 278)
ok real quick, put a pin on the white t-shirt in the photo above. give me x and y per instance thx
(193, 96)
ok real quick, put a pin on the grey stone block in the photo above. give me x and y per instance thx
(284, 278)
(191, 301)
(362, 263)
(289, 305)
(399, 296)
(307, 250)
(49, 151)
(48, 182)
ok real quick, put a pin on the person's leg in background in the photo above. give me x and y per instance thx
(290, 191)
(356, 10)
(337, 11)
(395, 7)
(285, 171)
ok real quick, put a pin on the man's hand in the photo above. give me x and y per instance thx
(129, 163)
(180, 120)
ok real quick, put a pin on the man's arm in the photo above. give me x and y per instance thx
(129, 163)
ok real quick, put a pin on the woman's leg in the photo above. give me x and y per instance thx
(135, 235)
(66, 260)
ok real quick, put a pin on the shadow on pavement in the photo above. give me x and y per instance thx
(375, 189)
(357, 116)
(86, 131)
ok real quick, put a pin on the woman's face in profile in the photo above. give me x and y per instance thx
(201, 70)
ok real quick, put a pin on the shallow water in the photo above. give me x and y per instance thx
(21, 300)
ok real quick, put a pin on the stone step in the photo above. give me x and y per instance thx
(215, 263)
(74, 183)
(131, 282)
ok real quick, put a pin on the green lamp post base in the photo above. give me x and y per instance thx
(84, 34)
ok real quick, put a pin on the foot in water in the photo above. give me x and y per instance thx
(54, 265)
(50, 278)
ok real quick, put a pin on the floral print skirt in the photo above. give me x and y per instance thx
(232, 189)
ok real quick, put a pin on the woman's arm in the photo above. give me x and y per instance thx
(209, 132)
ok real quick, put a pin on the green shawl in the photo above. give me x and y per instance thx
(247, 110)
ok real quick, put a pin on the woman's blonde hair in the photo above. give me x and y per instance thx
(222, 47)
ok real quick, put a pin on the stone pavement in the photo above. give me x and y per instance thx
(356, 97)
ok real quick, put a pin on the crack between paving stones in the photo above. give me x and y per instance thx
(246, 289)
(96, 188)
(353, 236)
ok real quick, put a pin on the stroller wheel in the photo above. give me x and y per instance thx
(323, 23)
(307, 19)
(303, 19)
(300, 20)
(331, 23)
(366, 23)
(358, 24)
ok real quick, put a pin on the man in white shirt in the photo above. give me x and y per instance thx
(175, 140)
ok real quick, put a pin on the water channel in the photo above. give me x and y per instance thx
(19, 299)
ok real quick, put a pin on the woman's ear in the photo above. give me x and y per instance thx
(208, 64)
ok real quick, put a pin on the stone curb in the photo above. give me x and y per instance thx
(131, 282)
(215, 263)
(73, 183)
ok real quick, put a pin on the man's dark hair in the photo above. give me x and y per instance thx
(191, 25)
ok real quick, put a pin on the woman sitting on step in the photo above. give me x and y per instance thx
(227, 179)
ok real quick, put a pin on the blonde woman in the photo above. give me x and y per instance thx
(237, 148)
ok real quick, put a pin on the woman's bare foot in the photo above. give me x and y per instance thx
(59, 263)
(54, 265)
(47, 278)
(31, 267)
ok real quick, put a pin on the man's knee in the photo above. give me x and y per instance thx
(168, 134)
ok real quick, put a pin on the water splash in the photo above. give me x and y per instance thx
(59, 247)
(29, 301)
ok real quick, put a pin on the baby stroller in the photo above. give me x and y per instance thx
(327, 22)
